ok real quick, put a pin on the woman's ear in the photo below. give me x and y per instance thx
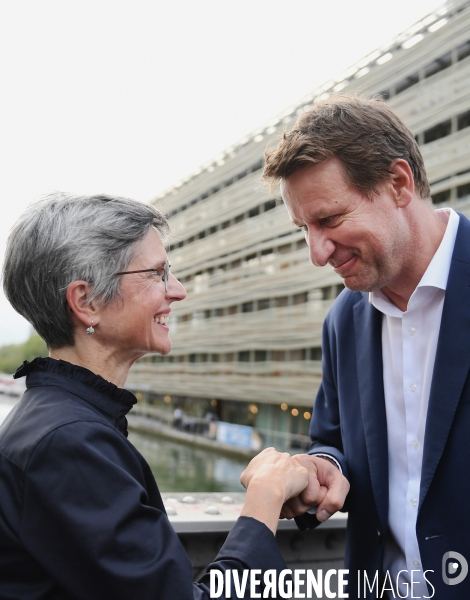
(77, 296)
(402, 182)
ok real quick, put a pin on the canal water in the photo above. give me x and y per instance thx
(184, 468)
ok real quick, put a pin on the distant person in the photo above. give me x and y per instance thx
(81, 516)
(393, 408)
(177, 418)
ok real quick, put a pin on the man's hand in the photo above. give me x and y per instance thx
(327, 489)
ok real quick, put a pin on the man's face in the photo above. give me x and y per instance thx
(364, 240)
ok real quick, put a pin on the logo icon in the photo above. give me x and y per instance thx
(454, 568)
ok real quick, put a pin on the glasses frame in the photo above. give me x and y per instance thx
(165, 276)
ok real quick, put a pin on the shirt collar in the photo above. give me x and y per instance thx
(437, 273)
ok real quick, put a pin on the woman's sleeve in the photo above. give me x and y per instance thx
(89, 521)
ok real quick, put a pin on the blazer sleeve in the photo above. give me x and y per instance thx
(89, 522)
(325, 427)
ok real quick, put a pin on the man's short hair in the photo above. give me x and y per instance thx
(365, 134)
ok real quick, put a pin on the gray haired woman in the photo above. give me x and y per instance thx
(80, 512)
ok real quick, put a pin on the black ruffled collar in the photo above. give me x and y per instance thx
(125, 399)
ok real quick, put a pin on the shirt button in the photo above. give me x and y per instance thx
(413, 387)
(416, 564)
(411, 330)
(415, 444)
(414, 501)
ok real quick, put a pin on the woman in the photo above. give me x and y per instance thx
(80, 513)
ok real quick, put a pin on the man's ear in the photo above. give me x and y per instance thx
(77, 296)
(402, 182)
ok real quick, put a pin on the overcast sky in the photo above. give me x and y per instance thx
(128, 96)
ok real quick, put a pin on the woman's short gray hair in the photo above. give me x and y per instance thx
(64, 238)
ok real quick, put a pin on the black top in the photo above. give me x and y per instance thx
(80, 512)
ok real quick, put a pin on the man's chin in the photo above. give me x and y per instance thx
(360, 285)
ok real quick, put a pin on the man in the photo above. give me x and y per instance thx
(393, 410)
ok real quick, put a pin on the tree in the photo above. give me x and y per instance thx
(13, 355)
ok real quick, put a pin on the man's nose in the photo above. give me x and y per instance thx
(321, 247)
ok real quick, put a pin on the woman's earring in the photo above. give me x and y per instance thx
(90, 330)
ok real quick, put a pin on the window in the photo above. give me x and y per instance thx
(244, 356)
(463, 51)
(297, 354)
(269, 205)
(314, 353)
(438, 65)
(281, 301)
(463, 120)
(439, 131)
(385, 94)
(254, 212)
(300, 298)
(247, 307)
(264, 303)
(406, 83)
(260, 355)
(463, 192)
(339, 288)
(441, 197)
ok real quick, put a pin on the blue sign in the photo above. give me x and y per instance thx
(237, 435)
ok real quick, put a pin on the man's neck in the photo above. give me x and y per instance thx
(429, 234)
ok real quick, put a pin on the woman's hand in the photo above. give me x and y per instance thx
(271, 479)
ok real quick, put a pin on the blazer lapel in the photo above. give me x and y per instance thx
(368, 334)
(452, 362)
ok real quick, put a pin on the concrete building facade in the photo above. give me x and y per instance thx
(247, 340)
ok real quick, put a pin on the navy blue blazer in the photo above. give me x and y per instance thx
(349, 422)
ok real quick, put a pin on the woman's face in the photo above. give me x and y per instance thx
(138, 322)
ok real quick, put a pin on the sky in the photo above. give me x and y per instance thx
(128, 96)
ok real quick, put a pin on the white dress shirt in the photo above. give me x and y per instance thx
(409, 343)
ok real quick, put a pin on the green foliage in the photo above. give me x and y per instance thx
(13, 355)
